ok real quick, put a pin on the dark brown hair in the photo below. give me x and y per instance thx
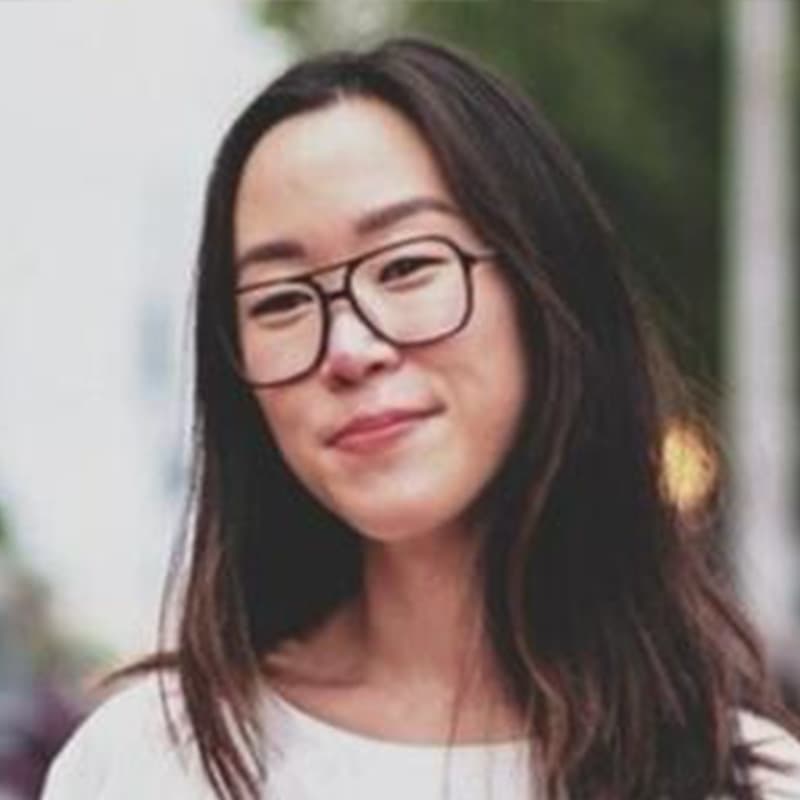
(613, 632)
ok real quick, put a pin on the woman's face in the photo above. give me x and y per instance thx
(430, 424)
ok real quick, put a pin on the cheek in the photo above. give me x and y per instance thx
(484, 376)
(513, 374)
(496, 410)
(284, 418)
(503, 367)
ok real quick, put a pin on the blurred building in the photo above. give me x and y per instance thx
(112, 113)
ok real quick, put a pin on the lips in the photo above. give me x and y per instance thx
(377, 426)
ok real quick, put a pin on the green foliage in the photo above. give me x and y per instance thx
(636, 89)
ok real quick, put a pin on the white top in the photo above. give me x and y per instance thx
(123, 752)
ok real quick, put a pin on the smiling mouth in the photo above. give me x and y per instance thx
(380, 431)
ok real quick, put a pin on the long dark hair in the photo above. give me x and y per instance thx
(615, 637)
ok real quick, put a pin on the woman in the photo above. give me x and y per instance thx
(430, 548)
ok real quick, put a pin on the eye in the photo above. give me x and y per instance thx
(278, 303)
(406, 267)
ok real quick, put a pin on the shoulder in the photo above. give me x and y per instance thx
(130, 712)
(125, 742)
(772, 742)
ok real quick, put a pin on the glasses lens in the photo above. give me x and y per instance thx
(280, 327)
(414, 292)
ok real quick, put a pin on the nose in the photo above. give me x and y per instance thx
(354, 351)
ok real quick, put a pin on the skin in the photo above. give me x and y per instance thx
(410, 635)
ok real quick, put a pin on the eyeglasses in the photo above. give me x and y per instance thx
(416, 291)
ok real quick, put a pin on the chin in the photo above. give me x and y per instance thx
(394, 523)
(397, 504)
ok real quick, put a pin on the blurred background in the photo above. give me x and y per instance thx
(683, 115)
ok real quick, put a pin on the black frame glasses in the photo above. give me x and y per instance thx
(465, 258)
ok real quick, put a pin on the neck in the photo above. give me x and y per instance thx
(420, 613)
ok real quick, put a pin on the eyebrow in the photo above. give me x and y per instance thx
(372, 222)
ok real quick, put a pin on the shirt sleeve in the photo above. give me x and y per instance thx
(77, 771)
(774, 743)
(121, 746)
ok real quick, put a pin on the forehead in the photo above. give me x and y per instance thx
(313, 175)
